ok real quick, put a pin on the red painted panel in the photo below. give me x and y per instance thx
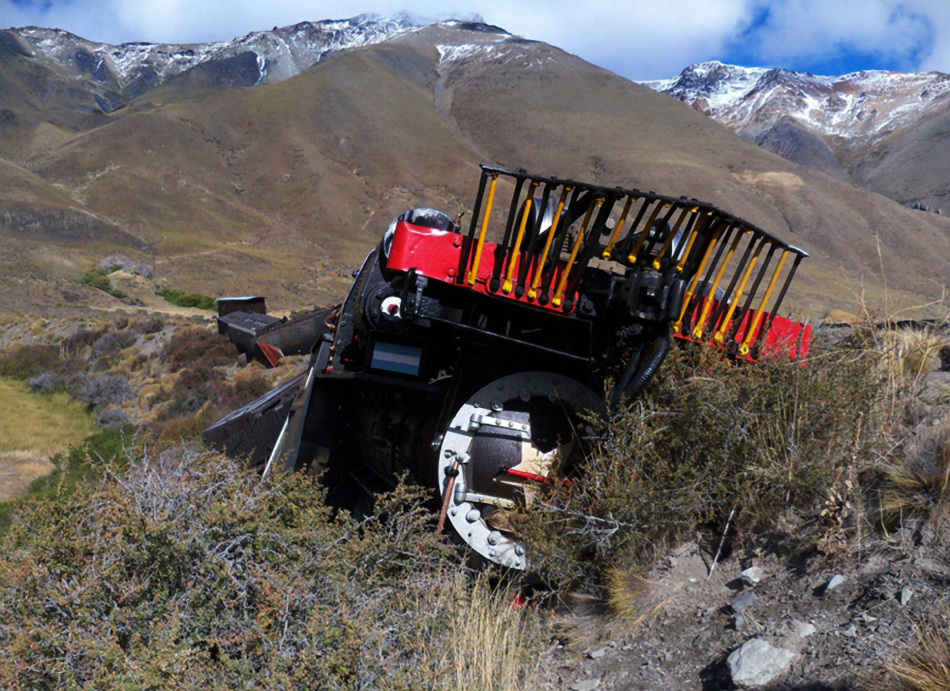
(436, 254)
(785, 337)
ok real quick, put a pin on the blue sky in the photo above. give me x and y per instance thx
(640, 39)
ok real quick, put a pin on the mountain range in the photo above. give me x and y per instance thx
(272, 163)
(883, 131)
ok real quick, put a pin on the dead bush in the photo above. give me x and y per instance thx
(925, 666)
(102, 390)
(112, 342)
(192, 344)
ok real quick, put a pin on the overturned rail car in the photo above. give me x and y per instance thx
(468, 357)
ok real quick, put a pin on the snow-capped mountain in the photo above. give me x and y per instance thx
(861, 107)
(884, 131)
(125, 71)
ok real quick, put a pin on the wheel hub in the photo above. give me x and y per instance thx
(505, 441)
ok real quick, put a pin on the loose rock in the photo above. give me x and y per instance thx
(804, 629)
(756, 663)
(835, 581)
(752, 576)
(586, 685)
(743, 601)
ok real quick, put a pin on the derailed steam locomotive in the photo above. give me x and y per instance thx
(469, 359)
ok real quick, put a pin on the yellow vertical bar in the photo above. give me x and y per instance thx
(669, 240)
(760, 313)
(533, 292)
(689, 245)
(720, 336)
(513, 257)
(701, 324)
(699, 274)
(619, 229)
(646, 231)
(559, 295)
(473, 274)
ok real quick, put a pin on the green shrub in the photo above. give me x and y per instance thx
(187, 571)
(24, 362)
(182, 299)
(97, 278)
(708, 437)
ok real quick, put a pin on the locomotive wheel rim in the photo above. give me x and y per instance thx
(464, 508)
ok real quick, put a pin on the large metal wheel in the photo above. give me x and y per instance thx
(502, 445)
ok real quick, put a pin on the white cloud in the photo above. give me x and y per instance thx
(638, 38)
(813, 30)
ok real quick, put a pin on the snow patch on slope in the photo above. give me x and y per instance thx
(863, 106)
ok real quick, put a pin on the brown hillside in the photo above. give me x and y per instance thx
(574, 117)
(281, 188)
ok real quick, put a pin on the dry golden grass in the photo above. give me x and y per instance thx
(18, 469)
(494, 647)
(42, 424)
(926, 667)
(632, 598)
(912, 353)
(919, 484)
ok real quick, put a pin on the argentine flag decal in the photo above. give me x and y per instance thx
(396, 358)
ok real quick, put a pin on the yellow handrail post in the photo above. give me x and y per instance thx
(559, 295)
(720, 336)
(701, 324)
(473, 274)
(646, 231)
(760, 313)
(669, 240)
(608, 250)
(533, 292)
(513, 257)
(699, 273)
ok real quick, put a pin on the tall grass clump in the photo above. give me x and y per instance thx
(917, 482)
(187, 571)
(926, 666)
(710, 439)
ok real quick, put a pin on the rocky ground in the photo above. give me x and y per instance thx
(776, 613)
(791, 622)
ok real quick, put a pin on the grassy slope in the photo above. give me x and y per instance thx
(44, 424)
(33, 428)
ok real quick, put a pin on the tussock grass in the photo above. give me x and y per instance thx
(632, 598)
(918, 482)
(926, 667)
(910, 354)
(498, 644)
